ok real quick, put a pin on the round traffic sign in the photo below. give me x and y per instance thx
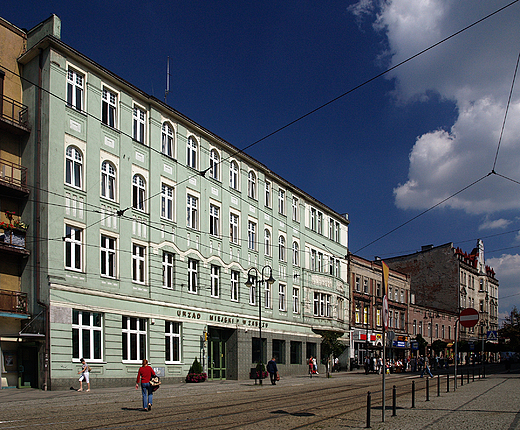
(385, 312)
(468, 317)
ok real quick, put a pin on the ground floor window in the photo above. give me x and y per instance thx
(87, 333)
(172, 341)
(279, 350)
(311, 350)
(134, 338)
(255, 358)
(296, 352)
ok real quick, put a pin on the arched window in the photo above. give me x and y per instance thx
(74, 167)
(191, 155)
(281, 248)
(138, 192)
(295, 254)
(214, 163)
(108, 180)
(251, 184)
(233, 175)
(167, 140)
(267, 242)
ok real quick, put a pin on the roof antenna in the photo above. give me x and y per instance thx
(167, 81)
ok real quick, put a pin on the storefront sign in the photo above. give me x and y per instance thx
(399, 344)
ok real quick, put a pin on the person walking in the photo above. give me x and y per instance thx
(84, 375)
(426, 367)
(315, 365)
(145, 373)
(272, 368)
(311, 367)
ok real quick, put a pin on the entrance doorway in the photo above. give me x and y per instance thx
(217, 353)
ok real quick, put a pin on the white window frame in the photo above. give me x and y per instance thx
(108, 264)
(214, 163)
(192, 204)
(167, 201)
(91, 328)
(139, 192)
(234, 174)
(296, 300)
(282, 297)
(109, 107)
(167, 138)
(139, 120)
(267, 296)
(252, 292)
(295, 254)
(108, 180)
(251, 235)
(139, 332)
(138, 263)
(75, 89)
(172, 337)
(73, 248)
(267, 242)
(281, 201)
(168, 269)
(214, 220)
(192, 275)
(251, 184)
(192, 152)
(313, 219)
(74, 167)
(234, 228)
(215, 281)
(282, 254)
(267, 194)
(235, 285)
(322, 306)
(295, 209)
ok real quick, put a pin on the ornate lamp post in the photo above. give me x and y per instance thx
(253, 276)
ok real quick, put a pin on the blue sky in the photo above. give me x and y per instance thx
(383, 153)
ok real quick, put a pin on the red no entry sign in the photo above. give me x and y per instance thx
(468, 317)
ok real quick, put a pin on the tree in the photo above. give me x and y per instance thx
(330, 345)
(439, 346)
(511, 330)
(422, 343)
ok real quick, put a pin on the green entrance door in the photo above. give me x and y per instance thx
(217, 359)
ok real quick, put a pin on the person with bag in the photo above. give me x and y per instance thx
(145, 373)
(85, 371)
(272, 368)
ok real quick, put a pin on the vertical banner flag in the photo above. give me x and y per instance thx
(385, 292)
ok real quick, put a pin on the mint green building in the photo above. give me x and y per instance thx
(146, 227)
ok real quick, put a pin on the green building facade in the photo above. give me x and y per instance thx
(146, 227)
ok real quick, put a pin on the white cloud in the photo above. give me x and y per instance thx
(495, 224)
(507, 267)
(475, 71)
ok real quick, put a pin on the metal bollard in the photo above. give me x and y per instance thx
(461, 379)
(448, 383)
(438, 385)
(484, 371)
(468, 376)
(413, 394)
(479, 370)
(427, 389)
(369, 402)
(473, 380)
(394, 401)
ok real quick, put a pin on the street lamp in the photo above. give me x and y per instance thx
(431, 316)
(253, 276)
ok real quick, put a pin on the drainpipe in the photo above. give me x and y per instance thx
(39, 116)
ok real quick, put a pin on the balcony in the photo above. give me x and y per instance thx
(13, 178)
(13, 302)
(14, 116)
(13, 242)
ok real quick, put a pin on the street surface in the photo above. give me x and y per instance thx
(338, 402)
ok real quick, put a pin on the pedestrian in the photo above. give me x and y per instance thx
(336, 365)
(311, 367)
(84, 375)
(427, 367)
(145, 373)
(272, 368)
(315, 365)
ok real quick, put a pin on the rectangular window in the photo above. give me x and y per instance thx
(167, 202)
(267, 295)
(322, 305)
(75, 89)
(73, 248)
(313, 219)
(235, 277)
(320, 262)
(296, 352)
(108, 256)
(414, 328)
(420, 328)
(378, 317)
(139, 121)
(331, 229)
(281, 201)
(279, 350)
(172, 341)
(295, 211)
(214, 220)
(233, 228)
(358, 283)
(337, 231)
(378, 289)
(296, 300)
(255, 350)
(252, 291)
(268, 193)
(134, 339)
(192, 212)
(251, 235)
(109, 108)
(192, 276)
(87, 335)
(365, 314)
(358, 313)
(138, 263)
(365, 285)
(281, 297)
(167, 268)
(319, 227)
(313, 259)
(215, 281)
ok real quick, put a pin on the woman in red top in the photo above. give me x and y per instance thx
(145, 373)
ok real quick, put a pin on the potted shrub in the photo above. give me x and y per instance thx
(195, 373)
